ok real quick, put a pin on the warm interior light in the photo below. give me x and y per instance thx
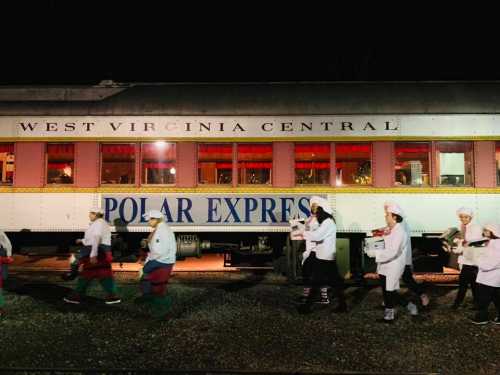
(160, 144)
(172, 170)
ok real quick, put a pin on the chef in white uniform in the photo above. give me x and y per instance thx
(408, 278)
(391, 260)
(470, 232)
(488, 277)
(323, 249)
(308, 260)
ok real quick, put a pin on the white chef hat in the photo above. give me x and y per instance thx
(395, 206)
(493, 228)
(465, 211)
(323, 203)
(153, 214)
(96, 210)
(395, 209)
(315, 199)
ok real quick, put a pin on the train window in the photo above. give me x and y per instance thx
(6, 163)
(497, 156)
(118, 163)
(454, 163)
(255, 163)
(215, 163)
(412, 163)
(60, 163)
(158, 163)
(312, 163)
(353, 163)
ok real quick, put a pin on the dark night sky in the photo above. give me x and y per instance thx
(63, 42)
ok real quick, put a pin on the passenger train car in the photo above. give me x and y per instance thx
(231, 164)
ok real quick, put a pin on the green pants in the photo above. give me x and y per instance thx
(108, 284)
(2, 300)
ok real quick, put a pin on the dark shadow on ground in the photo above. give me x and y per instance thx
(236, 286)
(53, 294)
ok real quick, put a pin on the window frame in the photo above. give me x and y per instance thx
(46, 172)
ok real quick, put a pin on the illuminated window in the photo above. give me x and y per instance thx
(255, 163)
(7, 163)
(215, 163)
(118, 163)
(497, 156)
(353, 163)
(158, 163)
(312, 163)
(412, 163)
(60, 163)
(454, 163)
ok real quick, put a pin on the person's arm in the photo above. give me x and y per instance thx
(393, 247)
(5, 242)
(320, 233)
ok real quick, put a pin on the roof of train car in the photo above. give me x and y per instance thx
(253, 98)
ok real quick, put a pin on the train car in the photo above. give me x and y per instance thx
(231, 164)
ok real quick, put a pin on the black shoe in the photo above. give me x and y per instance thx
(455, 306)
(473, 308)
(111, 300)
(386, 321)
(73, 299)
(323, 301)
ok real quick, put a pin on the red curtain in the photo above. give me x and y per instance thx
(118, 149)
(311, 165)
(312, 148)
(224, 165)
(215, 149)
(160, 152)
(255, 148)
(7, 147)
(59, 166)
(347, 148)
(61, 149)
(255, 165)
(412, 148)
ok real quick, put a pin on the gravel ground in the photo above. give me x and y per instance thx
(240, 325)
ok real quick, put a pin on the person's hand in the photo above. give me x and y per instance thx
(93, 260)
(79, 241)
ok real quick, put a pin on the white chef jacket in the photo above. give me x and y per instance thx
(391, 261)
(98, 233)
(323, 239)
(489, 265)
(310, 225)
(473, 232)
(5, 243)
(162, 246)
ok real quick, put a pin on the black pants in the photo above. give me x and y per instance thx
(319, 273)
(390, 298)
(410, 281)
(485, 295)
(467, 277)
